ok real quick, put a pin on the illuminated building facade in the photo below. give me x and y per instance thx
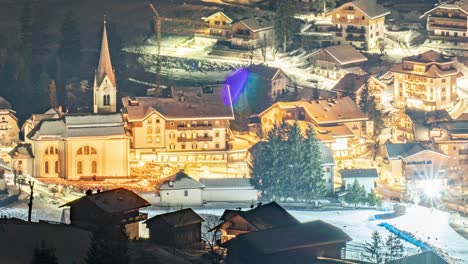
(339, 123)
(448, 22)
(427, 81)
(360, 23)
(9, 130)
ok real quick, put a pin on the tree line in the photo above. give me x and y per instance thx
(38, 64)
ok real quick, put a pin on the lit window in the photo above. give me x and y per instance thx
(150, 121)
(57, 169)
(182, 146)
(205, 146)
(217, 145)
(171, 146)
(216, 134)
(94, 167)
(79, 167)
(46, 167)
(149, 139)
(149, 130)
(158, 139)
(194, 135)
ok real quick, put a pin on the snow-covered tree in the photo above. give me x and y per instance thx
(374, 250)
(394, 248)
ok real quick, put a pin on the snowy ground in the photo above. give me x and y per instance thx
(430, 226)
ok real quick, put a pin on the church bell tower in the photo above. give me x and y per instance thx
(105, 87)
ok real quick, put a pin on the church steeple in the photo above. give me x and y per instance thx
(105, 87)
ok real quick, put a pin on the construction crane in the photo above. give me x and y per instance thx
(157, 23)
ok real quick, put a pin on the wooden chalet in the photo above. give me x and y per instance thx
(117, 208)
(300, 243)
(262, 217)
(180, 229)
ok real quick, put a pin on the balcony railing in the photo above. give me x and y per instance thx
(193, 127)
(432, 36)
(138, 218)
(461, 28)
(186, 139)
(355, 30)
(463, 152)
(351, 21)
(335, 29)
(435, 17)
(241, 36)
(355, 38)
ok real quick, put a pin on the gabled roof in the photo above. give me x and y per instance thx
(105, 66)
(276, 240)
(325, 111)
(218, 12)
(344, 54)
(21, 151)
(230, 183)
(427, 257)
(270, 215)
(350, 83)
(118, 200)
(256, 24)
(179, 218)
(359, 173)
(405, 150)
(186, 104)
(4, 104)
(266, 72)
(79, 125)
(371, 8)
(180, 181)
(462, 6)
(3, 166)
(430, 56)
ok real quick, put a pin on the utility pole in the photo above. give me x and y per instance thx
(30, 204)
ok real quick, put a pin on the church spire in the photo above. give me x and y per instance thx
(105, 66)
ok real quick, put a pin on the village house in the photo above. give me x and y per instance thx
(365, 177)
(360, 23)
(117, 208)
(70, 244)
(415, 125)
(427, 81)
(273, 81)
(3, 169)
(180, 229)
(34, 120)
(317, 34)
(22, 159)
(339, 123)
(378, 85)
(218, 24)
(300, 243)
(252, 32)
(262, 217)
(415, 167)
(452, 139)
(351, 85)
(191, 127)
(448, 21)
(180, 189)
(336, 61)
(9, 130)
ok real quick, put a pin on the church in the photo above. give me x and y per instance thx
(82, 146)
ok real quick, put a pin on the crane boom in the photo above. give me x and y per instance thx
(157, 21)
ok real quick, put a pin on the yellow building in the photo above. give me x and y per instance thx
(360, 23)
(218, 24)
(426, 82)
(9, 130)
(339, 123)
(192, 127)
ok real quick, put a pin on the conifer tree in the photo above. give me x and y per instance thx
(70, 47)
(394, 248)
(26, 31)
(108, 246)
(41, 91)
(52, 94)
(284, 22)
(44, 255)
(374, 250)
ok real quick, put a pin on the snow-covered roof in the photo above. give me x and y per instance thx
(79, 125)
(226, 183)
(186, 104)
(343, 54)
(256, 24)
(180, 181)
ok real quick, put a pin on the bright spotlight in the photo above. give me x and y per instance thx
(432, 190)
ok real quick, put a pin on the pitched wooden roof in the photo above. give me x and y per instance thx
(179, 218)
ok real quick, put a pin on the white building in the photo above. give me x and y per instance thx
(228, 190)
(365, 177)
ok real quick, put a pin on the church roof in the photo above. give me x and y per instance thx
(4, 104)
(105, 66)
(79, 125)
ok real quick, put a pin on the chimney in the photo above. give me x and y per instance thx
(59, 108)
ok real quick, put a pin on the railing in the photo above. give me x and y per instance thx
(335, 29)
(446, 18)
(355, 38)
(447, 38)
(463, 152)
(138, 218)
(351, 21)
(241, 36)
(180, 127)
(185, 139)
(461, 28)
(355, 30)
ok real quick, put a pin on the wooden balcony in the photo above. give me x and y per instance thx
(344, 20)
(355, 30)
(463, 152)
(241, 36)
(446, 18)
(335, 29)
(138, 218)
(433, 26)
(355, 38)
(446, 38)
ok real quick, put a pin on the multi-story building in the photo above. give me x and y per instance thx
(360, 23)
(252, 32)
(427, 81)
(9, 130)
(218, 24)
(448, 22)
(190, 127)
(339, 123)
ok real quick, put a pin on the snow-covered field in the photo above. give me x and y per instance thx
(428, 225)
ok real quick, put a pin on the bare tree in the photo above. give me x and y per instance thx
(210, 237)
(263, 48)
(31, 197)
(250, 52)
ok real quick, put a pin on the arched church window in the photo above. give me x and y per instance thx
(51, 150)
(86, 150)
(57, 168)
(108, 99)
(104, 99)
(46, 167)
